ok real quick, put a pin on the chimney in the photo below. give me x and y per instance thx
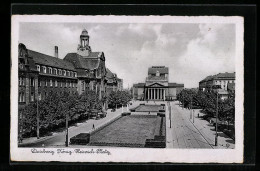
(56, 54)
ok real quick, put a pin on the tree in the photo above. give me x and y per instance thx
(118, 98)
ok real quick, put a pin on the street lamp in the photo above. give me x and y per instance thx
(216, 136)
(182, 102)
(38, 118)
(170, 114)
(191, 107)
(67, 130)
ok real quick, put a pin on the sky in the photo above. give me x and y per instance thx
(191, 51)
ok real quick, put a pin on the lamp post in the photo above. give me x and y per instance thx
(182, 102)
(67, 130)
(170, 114)
(191, 107)
(38, 118)
(216, 136)
(193, 115)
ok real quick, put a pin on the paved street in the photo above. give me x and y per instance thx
(58, 139)
(186, 134)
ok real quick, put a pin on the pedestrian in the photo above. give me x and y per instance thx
(93, 126)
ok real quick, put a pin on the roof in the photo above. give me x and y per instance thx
(110, 77)
(161, 69)
(80, 62)
(175, 85)
(84, 32)
(109, 74)
(47, 60)
(139, 85)
(225, 75)
(231, 86)
(207, 78)
(94, 54)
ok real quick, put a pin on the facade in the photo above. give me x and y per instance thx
(219, 81)
(40, 74)
(90, 67)
(157, 86)
(113, 82)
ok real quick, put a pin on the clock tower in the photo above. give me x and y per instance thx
(83, 48)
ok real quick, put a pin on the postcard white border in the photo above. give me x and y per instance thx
(133, 154)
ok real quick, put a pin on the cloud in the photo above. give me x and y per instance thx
(191, 51)
(208, 54)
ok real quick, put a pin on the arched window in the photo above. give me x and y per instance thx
(38, 68)
(157, 73)
(44, 69)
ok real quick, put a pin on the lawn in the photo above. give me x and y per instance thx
(129, 131)
(148, 108)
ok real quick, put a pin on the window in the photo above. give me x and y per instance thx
(50, 70)
(39, 83)
(71, 74)
(40, 96)
(23, 81)
(44, 69)
(32, 82)
(64, 72)
(38, 68)
(75, 74)
(55, 71)
(61, 84)
(60, 73)
(66, 84)
(70, 84)
(46, 83)
(20, 80)
(56, 83)
(68, 73)
(32, 97)
(51, 83)
(22, 97)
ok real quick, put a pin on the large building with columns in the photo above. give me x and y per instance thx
(157, 86)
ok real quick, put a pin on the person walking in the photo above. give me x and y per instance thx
(93, 126)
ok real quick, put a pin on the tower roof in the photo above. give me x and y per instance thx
(161, 69)
(84, 32)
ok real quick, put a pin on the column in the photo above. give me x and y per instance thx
(153, 93)
(158, 94)
(148, 94)
(163, 94)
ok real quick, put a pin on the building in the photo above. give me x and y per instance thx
(113, 82)
(218, 81)
(40, 74)
(90, 66)
(157, 86)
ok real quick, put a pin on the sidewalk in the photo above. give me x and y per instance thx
(202, 127)
(58, 138)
